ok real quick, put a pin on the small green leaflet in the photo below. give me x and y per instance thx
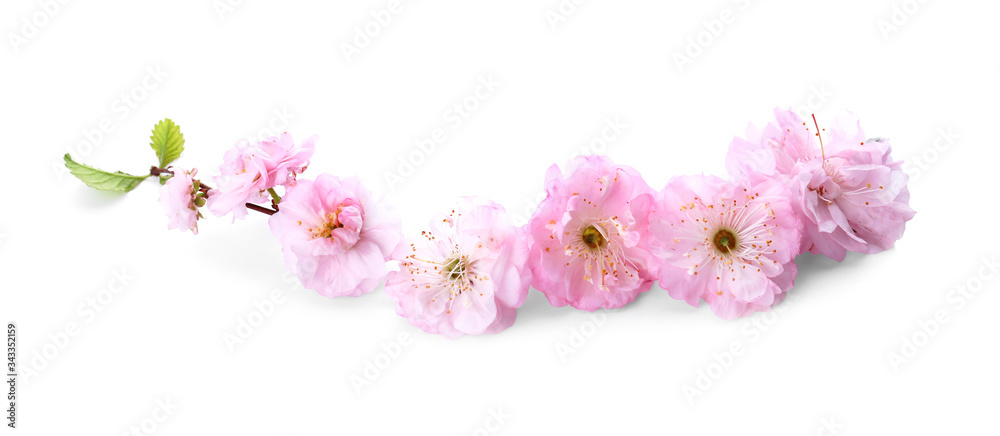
(103, 180)
(167, 141)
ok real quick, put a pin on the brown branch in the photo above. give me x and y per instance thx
(156, 171)
(261, 209)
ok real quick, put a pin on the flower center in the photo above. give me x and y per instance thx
(724, 241)
(593, 238)
(331, 224)
(454, 269)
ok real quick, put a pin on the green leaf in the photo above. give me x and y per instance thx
(167, 141)
(103, 180)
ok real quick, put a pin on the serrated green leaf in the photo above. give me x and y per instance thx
(103, 180)
(167, 141)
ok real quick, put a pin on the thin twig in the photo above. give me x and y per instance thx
(261, 209)
(156, 171)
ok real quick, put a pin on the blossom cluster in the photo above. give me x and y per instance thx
(601, 237)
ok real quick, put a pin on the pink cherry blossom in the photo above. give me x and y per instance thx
(589, 243)
(466, 275)
(250, 169)
(284, 159)
(178, 197)
(848, 191)
(335, 236)
(730, 244)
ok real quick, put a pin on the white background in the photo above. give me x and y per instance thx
(823, 359)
